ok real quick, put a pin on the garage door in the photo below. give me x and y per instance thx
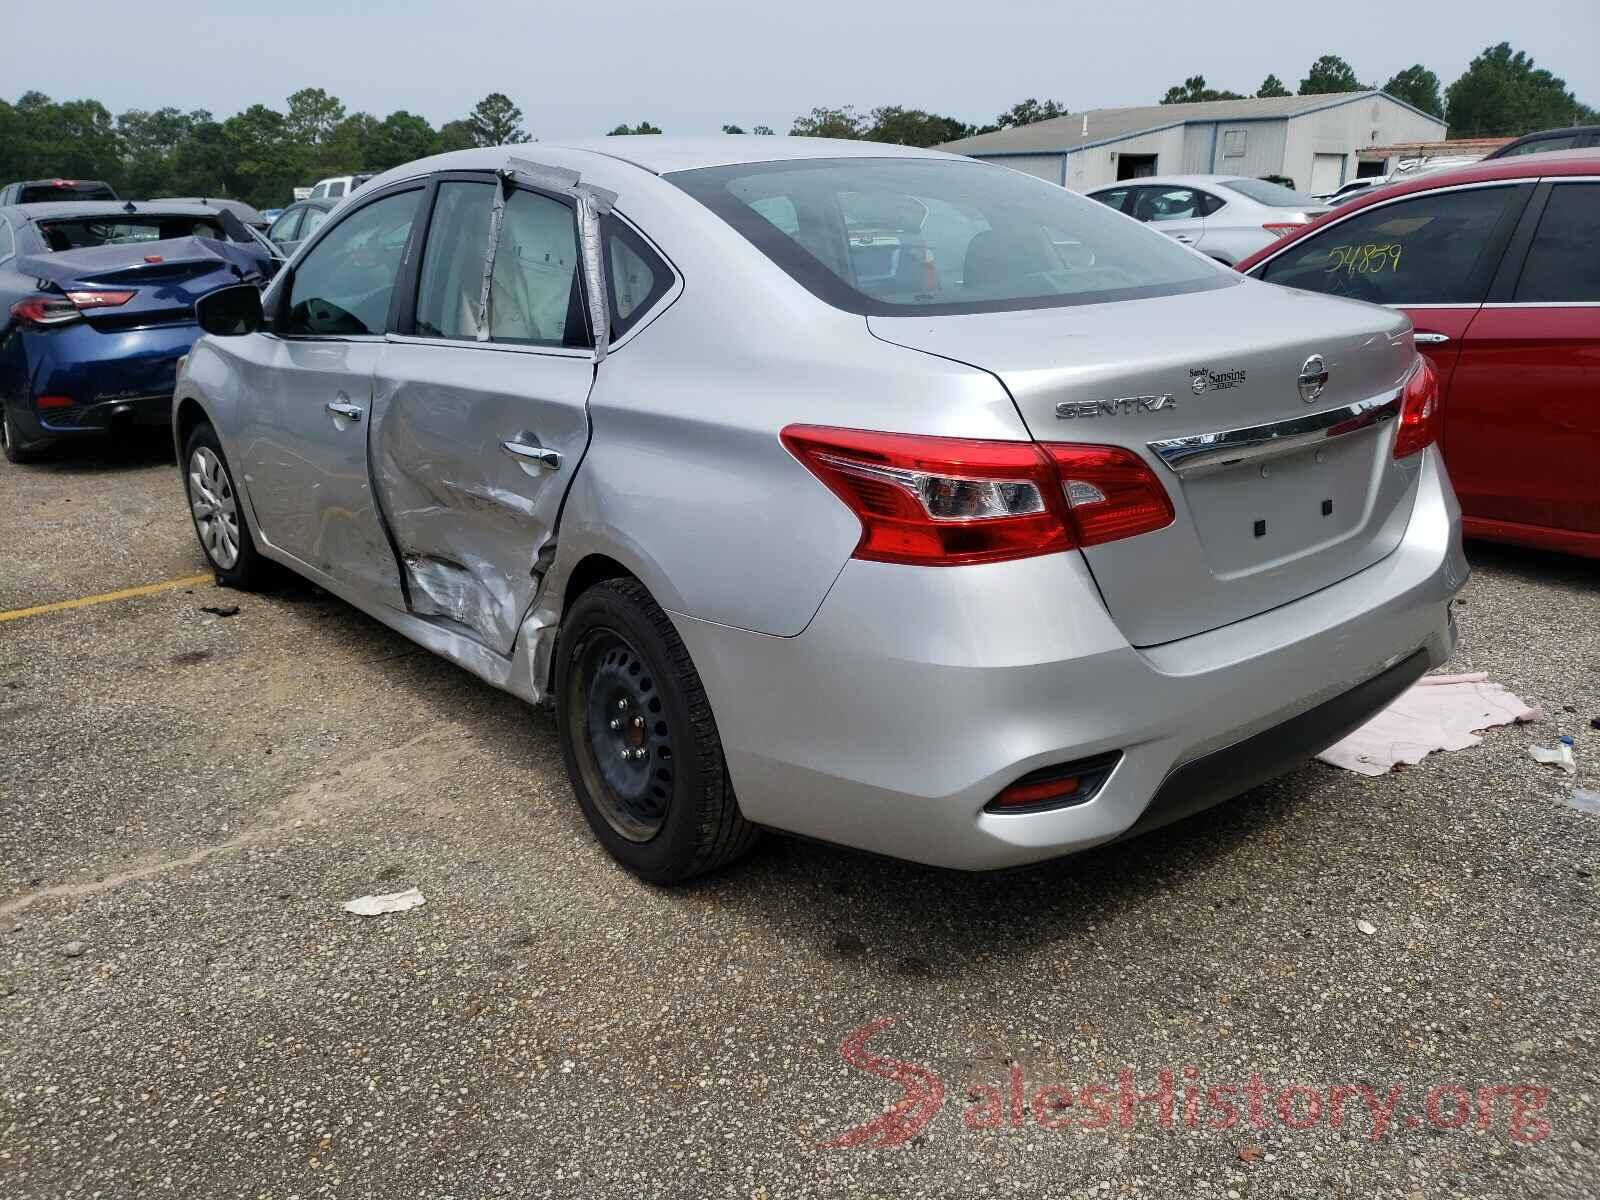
(1327, 173)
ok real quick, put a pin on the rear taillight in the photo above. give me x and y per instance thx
(1419, 411)
(1056, 787)
(935, 501)
(44, 310)
(1283, 228)
(53, 402)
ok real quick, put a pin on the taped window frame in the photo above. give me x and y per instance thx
(591, 205)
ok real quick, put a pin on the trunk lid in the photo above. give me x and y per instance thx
(1251, 533)
(164, 290)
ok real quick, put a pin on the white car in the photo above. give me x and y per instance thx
(335, 187)
(1225, 217)
(1352, 189)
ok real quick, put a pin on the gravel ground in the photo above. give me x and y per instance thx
(187, 799)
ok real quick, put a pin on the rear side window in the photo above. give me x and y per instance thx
(1273, 195)
(314, 219)
(1166, 204)
(1112, 199)
(335, 189)
(343, 285)
(637, 276)
(915, 237)
(1563, 264)
(1426, 250)
(534, 297)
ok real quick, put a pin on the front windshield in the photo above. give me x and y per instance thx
(1273, 195)
(907, 236)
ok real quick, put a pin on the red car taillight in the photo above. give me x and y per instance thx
(935, 501)
(46, 309)
(1283, 228)
(1419, 411)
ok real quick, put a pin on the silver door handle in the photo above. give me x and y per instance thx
(1431, 339)
(541, 455)
(1186, 238)
(348, 411)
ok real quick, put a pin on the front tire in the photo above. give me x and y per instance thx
(639, 740)
(219, 522)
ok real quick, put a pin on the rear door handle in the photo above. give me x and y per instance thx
(1186, 238)
(534, 455)
(1431, 339)
(348, 411)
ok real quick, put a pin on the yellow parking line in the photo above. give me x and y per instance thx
(16, 614)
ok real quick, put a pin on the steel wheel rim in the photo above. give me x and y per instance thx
(621, 736)
(215, 508)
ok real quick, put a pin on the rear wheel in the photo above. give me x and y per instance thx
(218, 521)
(639, 740)
(11, 444)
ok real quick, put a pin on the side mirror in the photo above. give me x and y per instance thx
(230, 311)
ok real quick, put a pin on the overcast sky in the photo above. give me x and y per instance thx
(577, 68)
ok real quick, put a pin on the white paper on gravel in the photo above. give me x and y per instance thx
(392, 902)
(1438, 712)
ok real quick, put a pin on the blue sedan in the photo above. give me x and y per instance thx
(97, 307)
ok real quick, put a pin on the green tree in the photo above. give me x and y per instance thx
(830, 123)
(1194, 90)
(1272, 86)
(731, 129)
(313, 116)
(195, 167)
(455, 135)
(1418, 87)
(496, 121)
(1028, 112)
(641, 127)
(1503, 93)
(1330, 74)
(913, 127)
(762, 131)
(401, 137)
(264, 160)
(345, 150)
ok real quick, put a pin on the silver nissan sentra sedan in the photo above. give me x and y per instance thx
(862, 492)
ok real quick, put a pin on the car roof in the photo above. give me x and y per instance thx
(661, 155)
(1522, 166)
(85, 210)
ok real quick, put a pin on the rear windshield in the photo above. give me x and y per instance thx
(907, 236)
(119, 231)
(1274, 195)
(51, 193)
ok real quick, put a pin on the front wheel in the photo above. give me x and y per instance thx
(218, 522)
(639, 740)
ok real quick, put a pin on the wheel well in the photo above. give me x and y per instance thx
(189, 416)
(597, 568)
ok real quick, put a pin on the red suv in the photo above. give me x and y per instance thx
(1498, 267)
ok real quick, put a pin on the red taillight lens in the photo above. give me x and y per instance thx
(52, 401)
(45, 309)
(1112, 493)
(936, 501)
(1419, 411)
(1282, 228)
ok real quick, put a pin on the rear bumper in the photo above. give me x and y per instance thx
(916, 695)
(114, 380)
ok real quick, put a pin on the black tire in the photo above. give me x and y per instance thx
(249, 571)
(686, 822)
(11, 444)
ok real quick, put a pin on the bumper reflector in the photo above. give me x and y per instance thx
(52, 402)
(1056, 787)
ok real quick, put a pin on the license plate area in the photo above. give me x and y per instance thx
(1266, 513)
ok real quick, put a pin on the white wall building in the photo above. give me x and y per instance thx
(1314, 140)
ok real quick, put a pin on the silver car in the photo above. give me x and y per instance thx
(862, 492)
(1222, 216)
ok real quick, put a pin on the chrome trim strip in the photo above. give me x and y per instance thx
(1203, 453)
